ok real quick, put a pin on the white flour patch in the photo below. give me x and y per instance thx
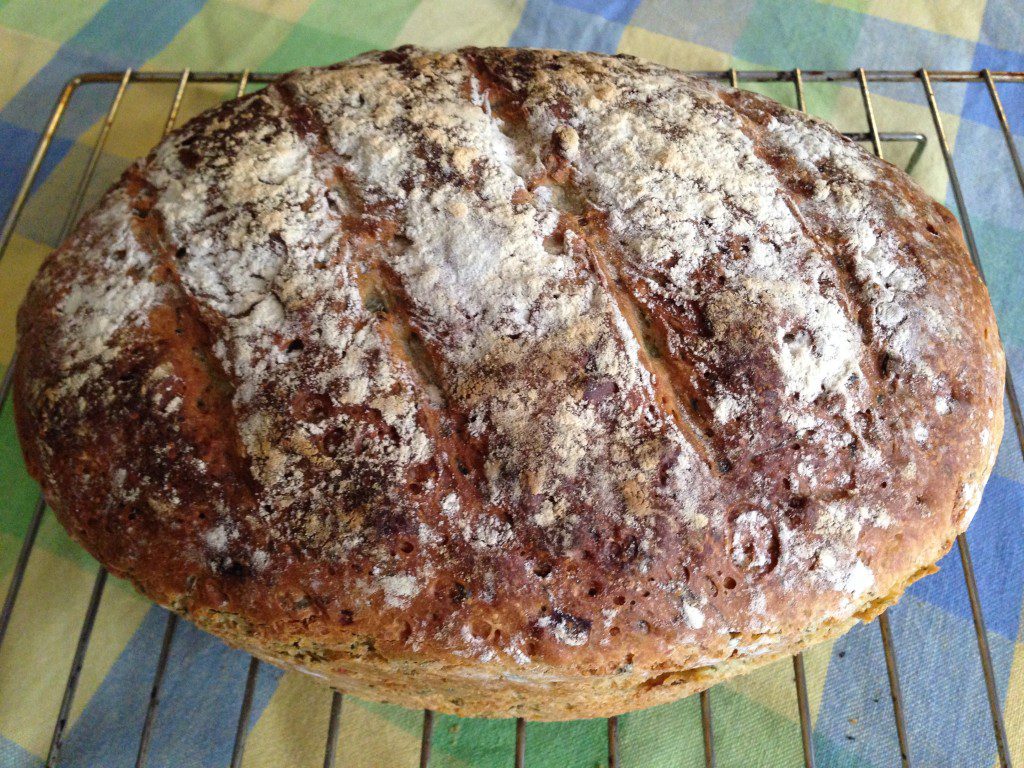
(399, 590)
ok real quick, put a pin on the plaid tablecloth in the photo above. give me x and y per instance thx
(42, 44)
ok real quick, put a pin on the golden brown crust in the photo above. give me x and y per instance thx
(512, 382)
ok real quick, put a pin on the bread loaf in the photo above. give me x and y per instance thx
(512, 382)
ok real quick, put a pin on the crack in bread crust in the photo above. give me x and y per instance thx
(581, 222)
(387, 300)
(147, 224)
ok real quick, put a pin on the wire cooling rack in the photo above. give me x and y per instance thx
(242, 80)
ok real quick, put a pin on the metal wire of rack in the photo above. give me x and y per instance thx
(797, 77)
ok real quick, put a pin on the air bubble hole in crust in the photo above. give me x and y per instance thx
(405, 633)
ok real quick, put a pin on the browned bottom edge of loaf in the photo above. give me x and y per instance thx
(570, 697)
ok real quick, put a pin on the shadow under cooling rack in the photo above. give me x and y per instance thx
(877, 139)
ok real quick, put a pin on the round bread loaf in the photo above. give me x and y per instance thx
(512, 382)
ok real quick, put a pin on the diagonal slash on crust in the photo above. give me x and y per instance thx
(151, 234)
(598, 255)
(385, 297)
